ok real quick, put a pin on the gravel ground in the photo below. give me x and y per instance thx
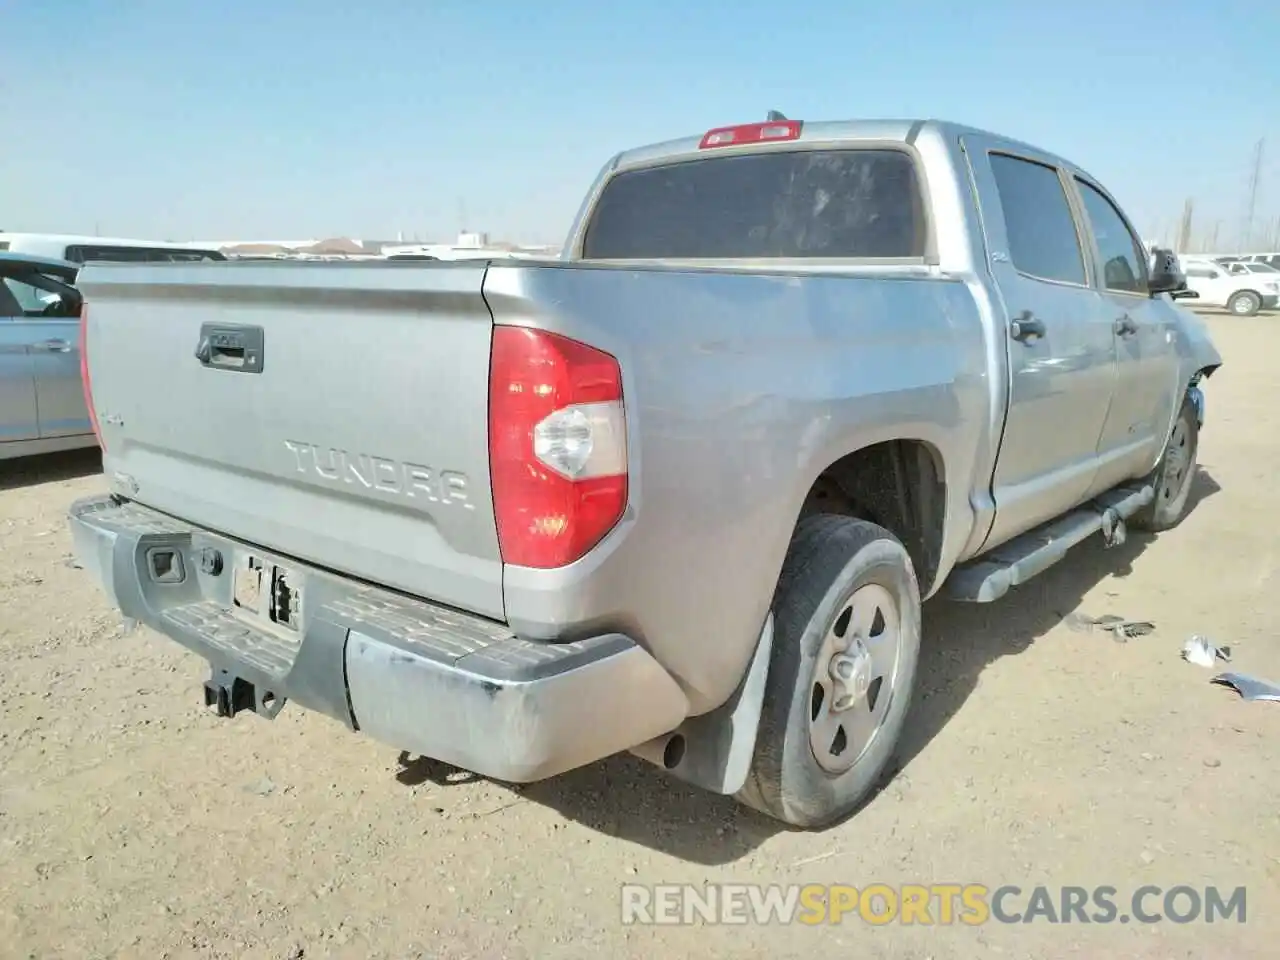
(134, 824)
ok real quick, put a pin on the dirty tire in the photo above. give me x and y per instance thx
(1244, 304)
(1173, 493)
(830, 558)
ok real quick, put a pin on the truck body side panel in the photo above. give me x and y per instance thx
(741, 388)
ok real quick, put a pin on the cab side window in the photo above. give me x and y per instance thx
(1043, 243)
(1124, 267)
(18, 299)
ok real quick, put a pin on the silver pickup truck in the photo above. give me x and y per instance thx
(679, 492)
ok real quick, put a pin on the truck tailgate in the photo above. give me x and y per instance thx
(357, 438)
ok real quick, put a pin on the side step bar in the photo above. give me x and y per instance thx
(991, 576)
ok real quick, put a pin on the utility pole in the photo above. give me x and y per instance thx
(1184, 229)
(1213, 239)
(1253, 195)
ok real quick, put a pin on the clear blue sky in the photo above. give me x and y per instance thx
(304, 118)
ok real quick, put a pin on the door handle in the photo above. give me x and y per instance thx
(1024, 326)
(52, 346)
(1125, 326)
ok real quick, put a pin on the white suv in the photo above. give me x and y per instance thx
(1271, 259)
(1243, 293)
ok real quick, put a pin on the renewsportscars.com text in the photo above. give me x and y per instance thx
(927, 904)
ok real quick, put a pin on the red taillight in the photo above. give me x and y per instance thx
(557, 446)
(85, 384)
(751, 133)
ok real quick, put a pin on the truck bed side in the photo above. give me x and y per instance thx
(740, 389)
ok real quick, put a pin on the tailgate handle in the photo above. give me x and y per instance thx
(226, 347)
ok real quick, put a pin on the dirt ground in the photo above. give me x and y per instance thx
(135, 824)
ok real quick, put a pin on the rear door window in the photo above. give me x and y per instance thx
(800, 204)
(1038, 223)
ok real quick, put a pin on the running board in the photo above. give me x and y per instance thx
(992, 575)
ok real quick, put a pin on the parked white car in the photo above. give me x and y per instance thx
(1239, 267)
(1271, 259)
(1243, 293)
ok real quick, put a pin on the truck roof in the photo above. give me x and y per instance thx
(74, 238)
(832, 131)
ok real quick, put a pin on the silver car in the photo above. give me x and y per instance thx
(42, 403)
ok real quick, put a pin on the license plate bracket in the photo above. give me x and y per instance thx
(270, 593)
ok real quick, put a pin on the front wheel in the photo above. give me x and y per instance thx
(1244, 304)
(845, 647)
(1174, 474)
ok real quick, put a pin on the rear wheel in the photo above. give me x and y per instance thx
(1244, 304)
(845, 648)
(1174, 474)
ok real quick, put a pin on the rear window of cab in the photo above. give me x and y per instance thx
(796, 204)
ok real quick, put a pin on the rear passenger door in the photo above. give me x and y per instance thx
(1147, 367)
(1060, 343)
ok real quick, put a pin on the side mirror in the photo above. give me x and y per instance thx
(1166, 273)
(1185, 295)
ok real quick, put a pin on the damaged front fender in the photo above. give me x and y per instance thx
(1197, 356)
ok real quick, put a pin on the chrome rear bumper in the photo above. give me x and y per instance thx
(417, 676)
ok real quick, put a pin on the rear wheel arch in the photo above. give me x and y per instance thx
(899, 484)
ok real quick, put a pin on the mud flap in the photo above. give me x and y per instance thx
(713, 751)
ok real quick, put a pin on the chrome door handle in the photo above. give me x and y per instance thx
(52, 346)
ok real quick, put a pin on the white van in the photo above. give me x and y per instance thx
(78, 249)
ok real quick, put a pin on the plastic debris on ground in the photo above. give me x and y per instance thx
(1121, 630)
(1203, 653)
(1249, 688)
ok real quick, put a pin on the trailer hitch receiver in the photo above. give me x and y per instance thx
(229, 694)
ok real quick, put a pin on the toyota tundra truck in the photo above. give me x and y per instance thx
(679, 491)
